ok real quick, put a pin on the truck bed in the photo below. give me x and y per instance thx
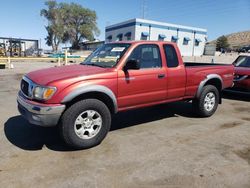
(196, 72)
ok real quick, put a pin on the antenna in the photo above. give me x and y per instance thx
(144, 9)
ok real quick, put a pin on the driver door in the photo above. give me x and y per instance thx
(146, 85)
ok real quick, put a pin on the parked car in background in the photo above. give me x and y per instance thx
(244, 49)
(117, 77)
(242, 73)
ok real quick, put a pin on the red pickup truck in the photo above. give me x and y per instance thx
(118, 76)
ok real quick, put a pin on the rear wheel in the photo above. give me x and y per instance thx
(207, 103)
(85, 124)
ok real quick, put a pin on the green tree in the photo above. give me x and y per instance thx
(222, 43)
(69, 23)
(55, 27)
(80, 23)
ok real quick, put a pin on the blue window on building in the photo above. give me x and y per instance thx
(197, 42)
(144, 36)
(174, 39)
(161, 37)
(128, 35)
(119, 37)
(186, 40)
(109, 38)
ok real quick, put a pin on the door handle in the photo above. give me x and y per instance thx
(161, 76)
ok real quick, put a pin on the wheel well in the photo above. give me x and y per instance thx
(95, 95)
(215, 82)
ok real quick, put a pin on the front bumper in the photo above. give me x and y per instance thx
(39, 114)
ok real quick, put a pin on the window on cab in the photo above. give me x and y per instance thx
(148, 55)
(242, 61)
(171, 56)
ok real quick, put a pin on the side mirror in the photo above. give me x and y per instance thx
(132, 64)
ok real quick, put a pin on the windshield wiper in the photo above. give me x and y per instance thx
(93, 64)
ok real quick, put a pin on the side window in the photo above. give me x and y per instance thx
(148, 55)
(174, 39)
(197, 43)
(119, 37)
(171, 56)
(186, 40)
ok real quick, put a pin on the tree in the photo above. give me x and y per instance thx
(68, 23)
(222, 43)
(55, 26)
(80, 23)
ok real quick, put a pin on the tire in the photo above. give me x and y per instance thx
(207, 103)
(85, 124)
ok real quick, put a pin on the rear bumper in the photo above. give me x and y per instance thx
(38, 113)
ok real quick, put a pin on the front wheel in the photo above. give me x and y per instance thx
(207, 103)
(85, 124)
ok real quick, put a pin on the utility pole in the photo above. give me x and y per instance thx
(40, 44)
(193, 44)
(149, 33)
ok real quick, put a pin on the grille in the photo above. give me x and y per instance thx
(25, 87)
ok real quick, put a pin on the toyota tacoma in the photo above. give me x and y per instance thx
(119, 76)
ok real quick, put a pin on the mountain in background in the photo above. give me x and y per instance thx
(236, 40)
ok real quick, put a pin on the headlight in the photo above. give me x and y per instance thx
(43, 93)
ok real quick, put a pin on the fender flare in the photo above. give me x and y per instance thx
(92, 88)
(203, 83)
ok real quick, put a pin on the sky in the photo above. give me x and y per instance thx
(21, 19)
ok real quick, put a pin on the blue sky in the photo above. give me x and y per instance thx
(22, 18)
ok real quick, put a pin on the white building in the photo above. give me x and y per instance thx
(191, 40)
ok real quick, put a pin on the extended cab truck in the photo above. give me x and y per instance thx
(117, 77)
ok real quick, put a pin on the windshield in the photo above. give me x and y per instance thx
(107, 55)
(242, 61)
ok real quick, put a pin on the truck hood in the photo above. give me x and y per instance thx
(46, 76)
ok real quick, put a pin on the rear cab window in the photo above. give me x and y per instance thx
(171, 56)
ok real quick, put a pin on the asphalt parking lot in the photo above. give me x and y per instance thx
(160, 146)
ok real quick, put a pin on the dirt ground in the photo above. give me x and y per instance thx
(161, 146)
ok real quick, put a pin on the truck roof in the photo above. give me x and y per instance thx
(142, 42)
